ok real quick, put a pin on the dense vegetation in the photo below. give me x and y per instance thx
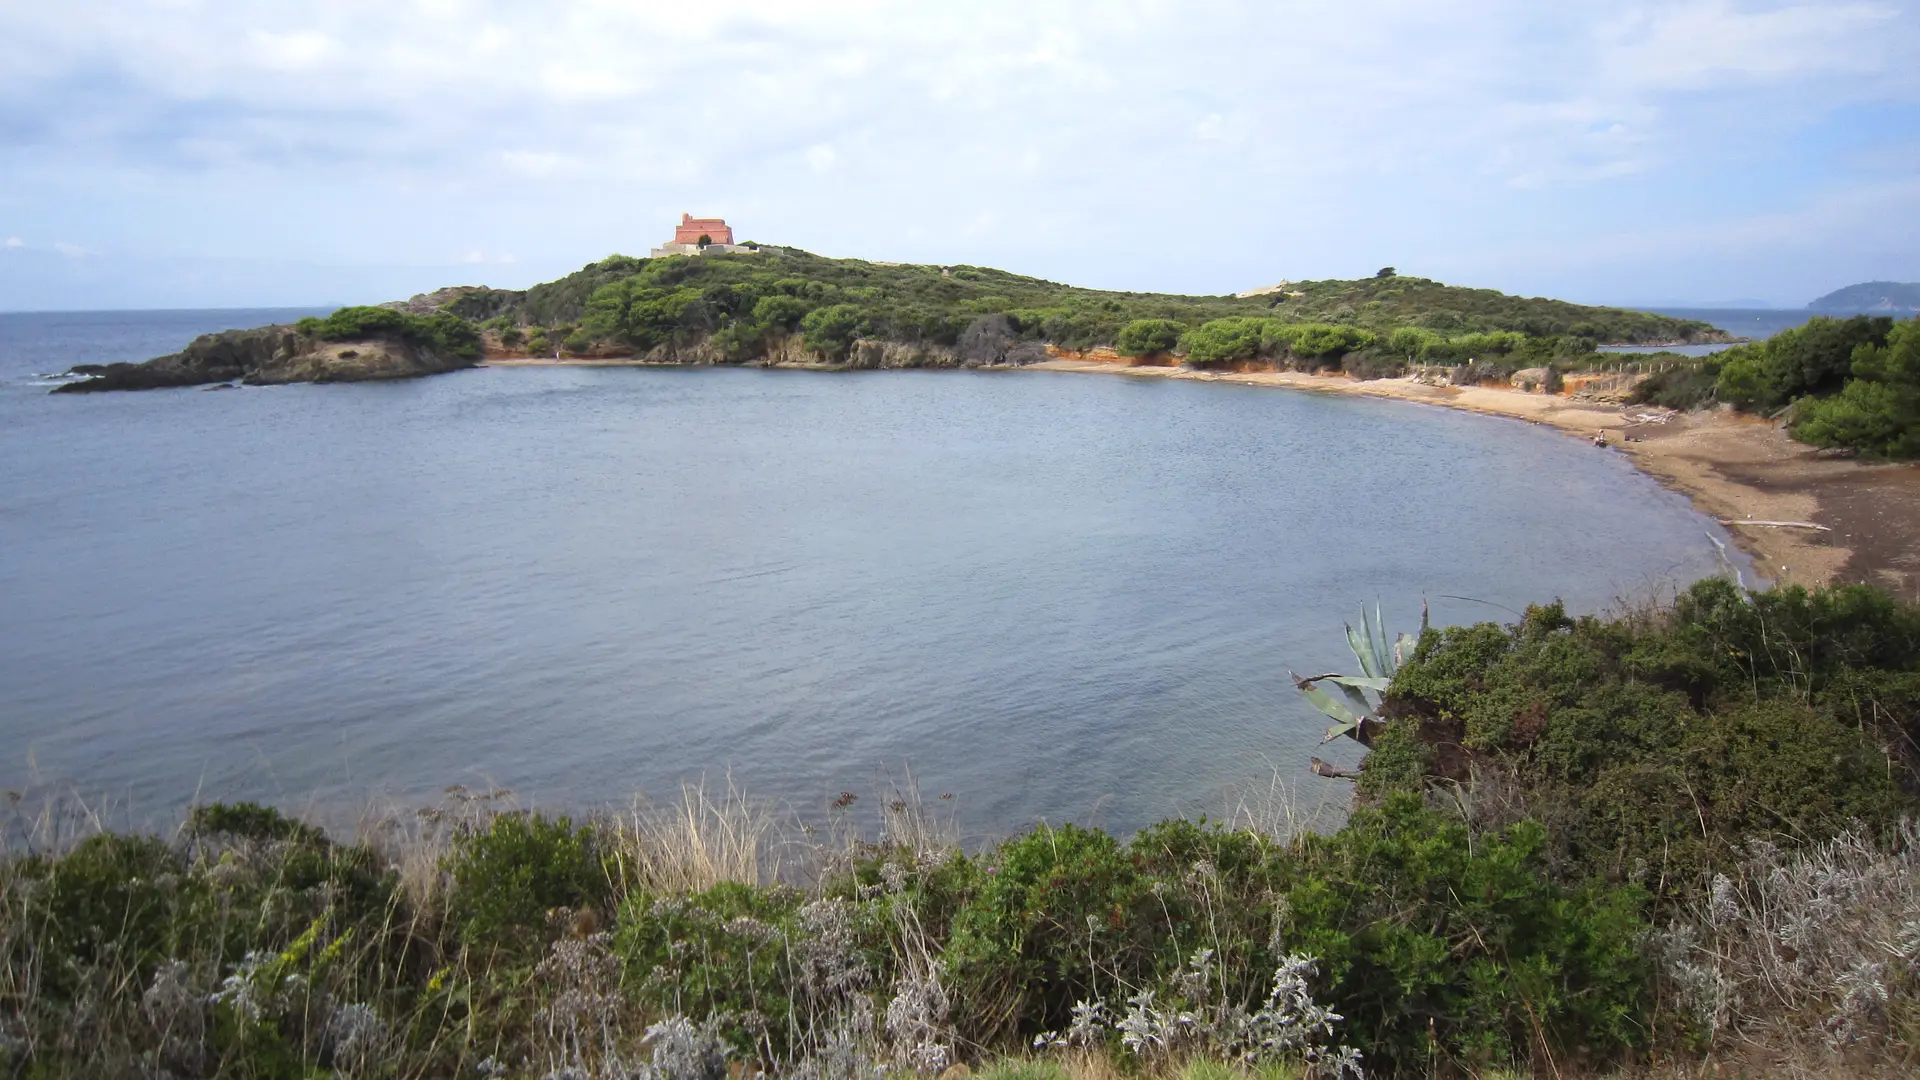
(441, 330)
(1578, 842)
(1655, 746)
(1878, 409)
(737, 306)
(1851, 383)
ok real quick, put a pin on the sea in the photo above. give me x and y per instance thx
(1030, 596)
(1756, 324)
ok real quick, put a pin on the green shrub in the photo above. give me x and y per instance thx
(507, 876)
(1225, 341)
(1056, 906)
(1430, 933)
(1812, 359)
(782, 313)
(441, 330)
(831, 331)
(1069, 914)
(1656, 748)
(1148, 337)
(1794, 640)
(1882, 419)
(726, 952)
(1312, 341)
(1491, 346)
(1412, 342)
(113, 898)
(250, 821)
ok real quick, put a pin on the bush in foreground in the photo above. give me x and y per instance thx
(1653, 747)
(1581, 840)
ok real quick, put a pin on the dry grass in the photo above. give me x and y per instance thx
(911, 824)
(1277, 810)
(48, 822)
(698, 842)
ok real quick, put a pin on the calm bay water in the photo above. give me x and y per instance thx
(1052, 595)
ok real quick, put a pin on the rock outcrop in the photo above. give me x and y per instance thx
(268, 355)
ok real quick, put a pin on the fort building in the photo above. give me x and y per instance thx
(699, 236)
(702, 231)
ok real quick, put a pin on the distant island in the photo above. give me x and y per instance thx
(1871, 296)
(703, 299)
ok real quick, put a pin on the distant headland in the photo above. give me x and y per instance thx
(1878, 297)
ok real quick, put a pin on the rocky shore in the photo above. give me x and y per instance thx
(268, 355)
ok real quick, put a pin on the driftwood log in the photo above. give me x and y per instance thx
(1332, 771)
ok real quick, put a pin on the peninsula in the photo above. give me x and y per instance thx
(706, 300)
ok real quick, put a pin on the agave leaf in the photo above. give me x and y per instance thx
(1354, 697)
(1373, 642)
(1356, 682)
(1351, 731)
(1382, 653)
(1325, 702)
(1362, 653)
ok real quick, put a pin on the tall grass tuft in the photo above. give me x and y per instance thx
(698, 842)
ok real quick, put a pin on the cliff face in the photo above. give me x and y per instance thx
(268, 355)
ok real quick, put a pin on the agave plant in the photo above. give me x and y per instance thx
(1360, 695)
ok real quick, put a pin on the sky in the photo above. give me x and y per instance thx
(199, 153)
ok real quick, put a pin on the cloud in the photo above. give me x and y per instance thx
(1696, 44)
(71, 251)
(15, 242)
(536, 163)
(1315, 133)
(296, 51)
